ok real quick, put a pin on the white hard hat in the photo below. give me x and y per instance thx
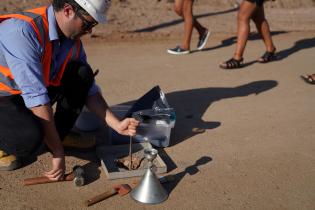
(96, 8)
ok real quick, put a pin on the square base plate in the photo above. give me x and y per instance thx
(109, 153)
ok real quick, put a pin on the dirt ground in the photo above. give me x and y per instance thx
(243, 139)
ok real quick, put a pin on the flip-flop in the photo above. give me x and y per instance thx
(308, 79)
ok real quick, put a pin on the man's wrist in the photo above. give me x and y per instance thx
(58, 153)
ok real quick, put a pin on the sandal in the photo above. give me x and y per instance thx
(232, 64)
(267, 57)
(308, 79)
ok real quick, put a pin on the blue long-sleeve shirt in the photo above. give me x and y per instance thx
(21, 51)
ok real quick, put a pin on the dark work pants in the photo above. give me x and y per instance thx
(21, 132)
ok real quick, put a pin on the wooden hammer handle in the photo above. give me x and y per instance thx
(44, 180)
(100, 197)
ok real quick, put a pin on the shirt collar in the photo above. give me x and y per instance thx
(52, 24)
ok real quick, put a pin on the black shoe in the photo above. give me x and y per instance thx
(178, 51)
(203, 40)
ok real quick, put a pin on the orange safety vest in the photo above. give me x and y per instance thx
(39, 21)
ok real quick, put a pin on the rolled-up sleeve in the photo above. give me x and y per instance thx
(23, 53)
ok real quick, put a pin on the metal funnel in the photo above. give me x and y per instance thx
(149, 190)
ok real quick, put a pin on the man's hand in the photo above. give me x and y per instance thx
(127, 127)
(97, 104)
(58, 168)
(52, 140)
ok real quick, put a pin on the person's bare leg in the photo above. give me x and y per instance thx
(243, 28)
(263, 28)
(179, 9)
(188, 23)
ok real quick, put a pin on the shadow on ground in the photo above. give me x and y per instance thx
(191, 170)
(280, 55)
(297, 46)
(190, 106)
(232, 40)
(178, 21)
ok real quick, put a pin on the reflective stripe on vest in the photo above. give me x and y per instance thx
(39, 21)
(72, 55)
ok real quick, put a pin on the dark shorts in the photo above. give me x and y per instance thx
(258, 2)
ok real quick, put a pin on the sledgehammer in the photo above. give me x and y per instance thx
(77, 176)
(121, 189)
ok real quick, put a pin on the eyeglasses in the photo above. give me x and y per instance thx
(87, 25)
